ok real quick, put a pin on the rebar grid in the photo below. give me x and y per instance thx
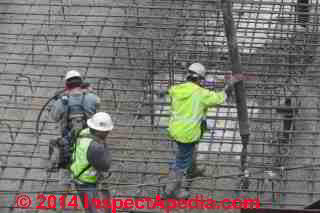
(127, 50)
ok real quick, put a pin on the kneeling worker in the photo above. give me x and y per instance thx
(91, 156)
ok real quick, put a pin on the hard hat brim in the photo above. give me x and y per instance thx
(73, 74)
(98, 128)
(66, 79)
(194, 74)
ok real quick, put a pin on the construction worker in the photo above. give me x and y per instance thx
(189, 104)
(72, 107)
(92, 156)
(74, 103)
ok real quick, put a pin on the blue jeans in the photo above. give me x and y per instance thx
(183, 166)
(184, 156)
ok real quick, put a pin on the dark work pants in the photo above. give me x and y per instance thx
(91, 191)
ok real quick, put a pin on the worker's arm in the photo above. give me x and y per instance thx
(161, 92)
(57, 110)
(228, 89)
(98, 156)
(212, 98)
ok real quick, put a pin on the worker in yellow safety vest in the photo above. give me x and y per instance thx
(189, 104)
(90, 157)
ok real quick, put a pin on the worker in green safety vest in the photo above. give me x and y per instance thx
(189, 104)
(90, 157)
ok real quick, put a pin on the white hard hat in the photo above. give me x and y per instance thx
(72, 74)
(197, 68)
(100, 121)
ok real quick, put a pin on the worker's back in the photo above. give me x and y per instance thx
(189, 105)
(71, 110)
(73, 104)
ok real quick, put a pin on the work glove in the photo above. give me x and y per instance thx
(228, 90)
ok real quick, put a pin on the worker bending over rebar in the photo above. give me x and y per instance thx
(189, 105)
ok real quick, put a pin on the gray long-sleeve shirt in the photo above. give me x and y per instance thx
(90, 103)
(99, 156)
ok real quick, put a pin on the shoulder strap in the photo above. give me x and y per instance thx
(64, 97)
(85, 169)
(83, 94)
(81, 105)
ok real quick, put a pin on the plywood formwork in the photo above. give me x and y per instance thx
(128, 49)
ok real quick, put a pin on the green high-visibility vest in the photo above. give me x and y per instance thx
(80, 161)
(190, 103)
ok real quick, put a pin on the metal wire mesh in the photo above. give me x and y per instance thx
(128, 49)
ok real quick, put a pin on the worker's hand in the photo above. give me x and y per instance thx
(161, 93)
(228, 89)
(232, 81)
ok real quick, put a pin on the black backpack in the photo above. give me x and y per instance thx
(75, 123)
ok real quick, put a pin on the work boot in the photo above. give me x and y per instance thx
(184, 194)
(196, 172)
(172, 188)
(199, 172)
